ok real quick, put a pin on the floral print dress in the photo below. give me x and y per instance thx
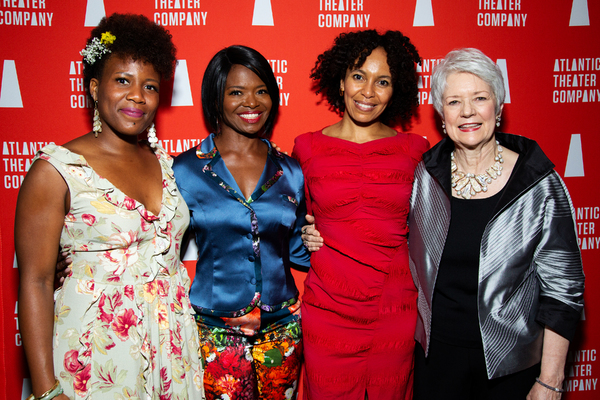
(123, 327)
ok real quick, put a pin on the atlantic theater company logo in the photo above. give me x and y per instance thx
(26, 13)
(504, 13)
(343, 14)
(179, 13)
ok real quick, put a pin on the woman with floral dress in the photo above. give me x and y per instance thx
(121, 325)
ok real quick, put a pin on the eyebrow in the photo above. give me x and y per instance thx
(128, 74)
(243, 87)
(362, 71)
(475, 93)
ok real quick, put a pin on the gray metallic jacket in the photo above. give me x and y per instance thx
(528, 254)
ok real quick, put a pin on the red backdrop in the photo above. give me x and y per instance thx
(549, 52)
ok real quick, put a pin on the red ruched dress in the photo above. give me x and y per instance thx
(359, 305)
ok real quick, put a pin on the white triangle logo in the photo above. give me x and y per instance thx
(501, 62)
(263, 14)
(579, 13)
(10, 94)
(423, 13)
(94, 12)
(182, 91)
(575, 157)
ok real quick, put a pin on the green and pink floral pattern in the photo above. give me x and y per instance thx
(123, 321)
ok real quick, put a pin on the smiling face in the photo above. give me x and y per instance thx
(127, 95)
(468, 110)
(368, 89)
(246, 102)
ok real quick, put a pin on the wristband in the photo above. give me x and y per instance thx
(49, 394)
(549, 387)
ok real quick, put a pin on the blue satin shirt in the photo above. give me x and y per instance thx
(245, 246)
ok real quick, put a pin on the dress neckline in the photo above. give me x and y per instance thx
(359, 144)
(138, 204)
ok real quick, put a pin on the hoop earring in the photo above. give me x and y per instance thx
(96, 123)
(152, 139)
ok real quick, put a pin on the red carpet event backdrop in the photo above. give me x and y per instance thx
(549, 52)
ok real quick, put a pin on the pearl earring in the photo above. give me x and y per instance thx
(152, 136)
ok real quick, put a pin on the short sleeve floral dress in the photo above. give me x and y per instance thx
(123, 326)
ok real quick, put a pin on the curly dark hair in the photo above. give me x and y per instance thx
(350, 50)
(137, 38)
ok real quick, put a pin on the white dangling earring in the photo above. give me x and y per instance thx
(498, 121)
(444, 128)
(97, 124)
(152, 139)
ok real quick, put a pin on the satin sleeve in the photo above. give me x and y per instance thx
(559, 265)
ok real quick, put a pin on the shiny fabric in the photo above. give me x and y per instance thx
(529, 255)
(245, 246)
(359, 304)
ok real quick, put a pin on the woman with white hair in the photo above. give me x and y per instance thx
(493, 250)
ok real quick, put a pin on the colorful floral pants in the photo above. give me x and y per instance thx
(258, 355)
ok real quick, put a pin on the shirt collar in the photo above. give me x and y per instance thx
(208, 150)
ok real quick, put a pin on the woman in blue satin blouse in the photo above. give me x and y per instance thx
(246, 204)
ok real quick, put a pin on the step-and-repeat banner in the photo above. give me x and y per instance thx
(549, 52)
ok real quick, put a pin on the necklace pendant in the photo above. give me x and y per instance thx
(466, 192)
(483, 180)
(461, 183)
(475, 185)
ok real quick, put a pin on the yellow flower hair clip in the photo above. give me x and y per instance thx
(107, 38)
(97, 47)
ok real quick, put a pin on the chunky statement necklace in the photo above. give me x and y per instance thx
(467, 185)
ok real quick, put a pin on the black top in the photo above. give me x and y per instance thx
(455, 318)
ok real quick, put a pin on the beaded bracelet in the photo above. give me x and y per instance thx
(49, 394)
(549, 387)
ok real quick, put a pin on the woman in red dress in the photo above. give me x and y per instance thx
(359, 305)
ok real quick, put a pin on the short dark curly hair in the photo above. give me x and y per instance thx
(215, 78)
(350, 50)
(137, 38)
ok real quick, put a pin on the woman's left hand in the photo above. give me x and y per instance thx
(554, 355)
(310, 235)
(63, 265)
(273, 145)
(538, 392)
